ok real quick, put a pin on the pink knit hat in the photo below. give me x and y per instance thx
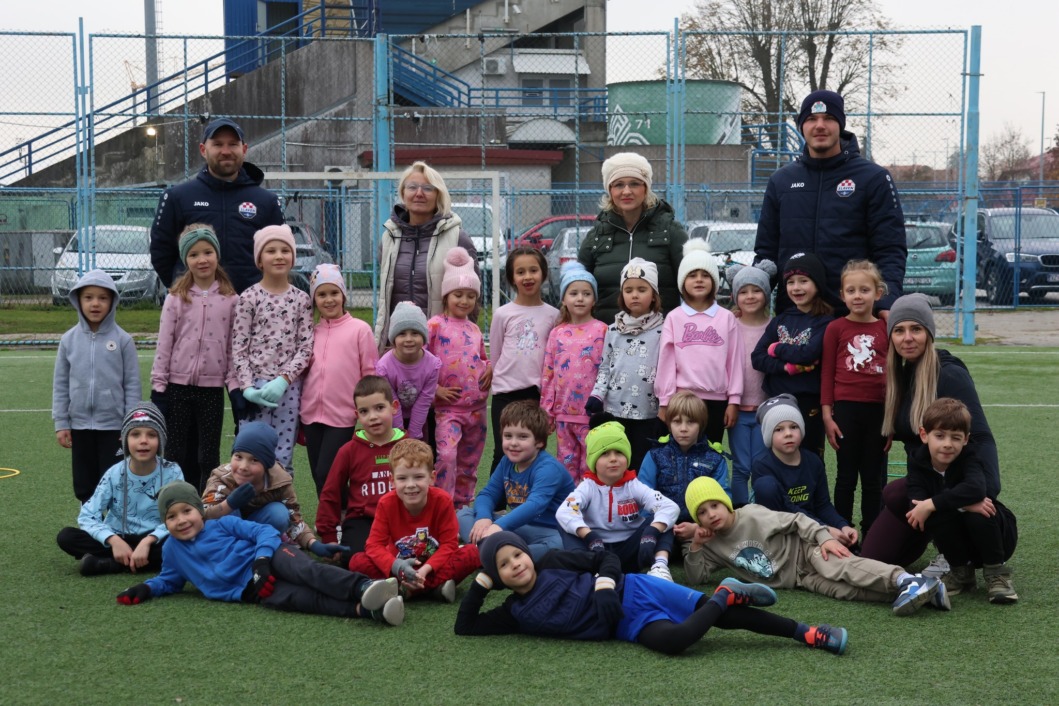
(282, 233)
(459, 272)
(327, 273)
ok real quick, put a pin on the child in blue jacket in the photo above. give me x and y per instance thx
(584, 596)
(231, 559)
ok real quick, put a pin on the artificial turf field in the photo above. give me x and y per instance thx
(68, 641)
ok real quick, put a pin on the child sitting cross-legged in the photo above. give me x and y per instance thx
(119, 528)
(583, 595)
(231, 559)
(947, 488)
(791, 550)
(607, 510)
(529, 481)
(415, 537)
(686, 455)
(254, 486)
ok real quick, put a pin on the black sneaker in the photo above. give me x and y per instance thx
(825, 637)
(92, 565)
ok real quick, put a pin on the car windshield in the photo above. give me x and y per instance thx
(731, 240)
(923, 236)
(1034, 225)
(124, 242)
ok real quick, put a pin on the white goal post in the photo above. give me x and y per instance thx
(493, 177)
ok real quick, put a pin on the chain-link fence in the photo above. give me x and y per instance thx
(543, 109)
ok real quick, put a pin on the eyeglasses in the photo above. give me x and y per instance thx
(631, 185)
(425, 188)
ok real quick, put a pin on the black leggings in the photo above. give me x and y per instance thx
(673, 638)
(322, 443)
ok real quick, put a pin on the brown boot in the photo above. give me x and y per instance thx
(960, 579)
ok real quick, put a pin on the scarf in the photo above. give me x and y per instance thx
(635, 325)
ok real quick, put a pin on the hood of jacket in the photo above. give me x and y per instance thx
(94, 278)
(249, 175)
(629, 475)
(946, 358)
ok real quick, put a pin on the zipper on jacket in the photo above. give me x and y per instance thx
(92, 385)
(610, 503)
(202, 332)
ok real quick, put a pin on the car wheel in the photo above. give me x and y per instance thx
(1037, 297)
(159, 294)
(997, 288)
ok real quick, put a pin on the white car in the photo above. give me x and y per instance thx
(730, 243)
(123, 251)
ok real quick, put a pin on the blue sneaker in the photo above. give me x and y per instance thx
(748, 594)
(825, 637)
(915, 593)
(941, 598)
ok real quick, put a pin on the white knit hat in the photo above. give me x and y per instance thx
(627, 164)
(697, 256)
(459, 272)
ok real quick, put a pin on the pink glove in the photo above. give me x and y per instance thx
(772, 349)
(795, 369)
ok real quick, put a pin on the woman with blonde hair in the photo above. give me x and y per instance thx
(633, 222)
(412, 249)
(918, 373)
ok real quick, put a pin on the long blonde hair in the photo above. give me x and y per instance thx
(182, 286)
(923, 375)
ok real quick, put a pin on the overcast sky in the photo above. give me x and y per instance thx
(1017, 54)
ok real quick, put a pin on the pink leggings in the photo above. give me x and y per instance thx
(570, 448)
(459, 437)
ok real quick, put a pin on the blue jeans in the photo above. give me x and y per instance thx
(275, 514)
(540, 539)
(746, 444)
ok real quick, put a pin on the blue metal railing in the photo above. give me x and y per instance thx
(424, 83)
(175, 89)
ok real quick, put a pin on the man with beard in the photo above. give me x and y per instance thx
(227, 195)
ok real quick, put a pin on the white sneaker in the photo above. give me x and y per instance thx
(660, 571)
(917, 592)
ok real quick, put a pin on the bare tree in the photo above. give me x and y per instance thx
(780, 50)
(1003, 152)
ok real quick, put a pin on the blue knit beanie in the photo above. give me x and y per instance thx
(259, 440)
(488, 548)
(827, 102)
(572, 272)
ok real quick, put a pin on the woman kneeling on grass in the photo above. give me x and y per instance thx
(583, 595)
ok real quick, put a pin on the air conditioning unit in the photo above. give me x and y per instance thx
(494, 66)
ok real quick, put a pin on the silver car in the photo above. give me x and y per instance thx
(564, 249)
(122, 251)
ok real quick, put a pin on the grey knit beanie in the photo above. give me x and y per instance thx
(773, 411)
(407, 316)
(911, 307)
(740, 276)
(178, 492)
(143, 414)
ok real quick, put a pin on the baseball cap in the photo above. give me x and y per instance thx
(215, 125)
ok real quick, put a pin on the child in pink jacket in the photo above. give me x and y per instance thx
(343, 352)
(463, 381)
(571, 362)
(192, 363)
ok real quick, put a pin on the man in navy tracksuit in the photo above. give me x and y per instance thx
(834, 203)
(227, 195)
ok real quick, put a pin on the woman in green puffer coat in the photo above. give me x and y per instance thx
(634, 222)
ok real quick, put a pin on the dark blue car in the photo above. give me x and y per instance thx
(1018, 253)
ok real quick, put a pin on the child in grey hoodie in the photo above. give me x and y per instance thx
(97, 380)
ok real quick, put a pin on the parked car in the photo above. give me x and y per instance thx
(729, 243)
(1016, 246)
(478, 222)
(543, 234)
(564, 249)
(123, 251)
(310, 250)
(930, 267)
